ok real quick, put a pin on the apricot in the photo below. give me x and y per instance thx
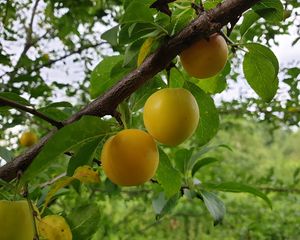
(54, 227)
(27, 139)
(171, 115)
(16, 220)
(130, 157)
(206, 57)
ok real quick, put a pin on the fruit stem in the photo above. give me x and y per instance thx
(232, 43)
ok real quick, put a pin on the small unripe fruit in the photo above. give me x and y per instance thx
(130, 157)
(206, 57)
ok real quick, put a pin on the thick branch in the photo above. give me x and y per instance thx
(206, 24)
(7, 102)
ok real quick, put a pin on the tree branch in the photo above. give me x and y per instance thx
(28, 42)
(79, 50)
(7, 102)
(207, 23)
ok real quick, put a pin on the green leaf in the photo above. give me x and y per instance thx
(249, 18)
(209, 4)
(60, 104)
(5, 154)
(238, 188)
(126, 114)
(145, 50)
(14, 97)
(4, 60)
(54, 113)
(264, 52)
(132, 32)
(163, 205)
(167, 175)
(86, 174)
(119, 70)
(111, 35)
(214, 205)
(209, 118)
(195, 157)
(131, 53)
(182, 157)
(84, 156)
(217, 83)
(203, 162)
(111, 188)
(271, 10)
(86, 129)
(182, 19)
(137, 11)
(101, 76)
(41, 90)
(60, 183)
(176, 78)
(84, 221)
(260, 73)
(139, 97)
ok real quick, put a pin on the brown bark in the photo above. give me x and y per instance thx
(207, 23)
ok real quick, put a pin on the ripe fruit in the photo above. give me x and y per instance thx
(205, 58)
(171, 115)
(130, 157)
(16, 220)
(27, 139)
(54, 227)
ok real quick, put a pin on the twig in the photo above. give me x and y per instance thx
(7, 102)
(53, 180)
(117, 115)
(232, 25)
(33, 212)
(28, 43)
(231, 43)
(78, 51)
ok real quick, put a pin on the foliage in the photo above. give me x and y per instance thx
(191, 178)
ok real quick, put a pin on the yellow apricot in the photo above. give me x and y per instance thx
(16, 220)
(27, 139)
(54, 227)
(171, 115)
(206, 57)
(130, 157)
